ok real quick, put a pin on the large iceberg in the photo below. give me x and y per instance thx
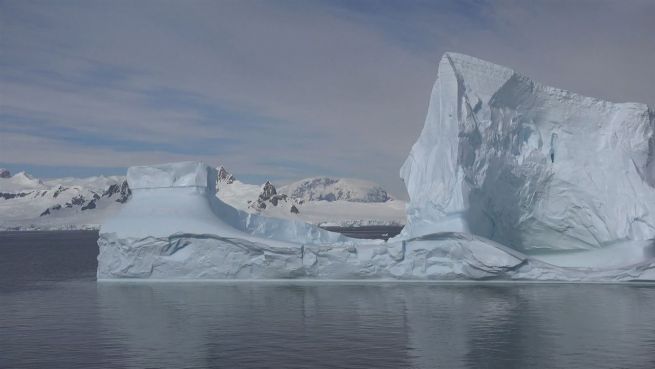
(505, 168)
(530, 166)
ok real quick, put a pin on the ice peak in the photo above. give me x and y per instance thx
(462, 62)
(529, 165)
(23, 174)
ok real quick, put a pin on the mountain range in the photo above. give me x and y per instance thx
(28, 203)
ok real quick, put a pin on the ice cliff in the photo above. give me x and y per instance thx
(527, 165)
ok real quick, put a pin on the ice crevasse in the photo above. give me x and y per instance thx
(504, 169)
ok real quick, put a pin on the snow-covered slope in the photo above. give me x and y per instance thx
(319, 201)
(530, 166)
(19, 182)
(67, 203)
(336, 189)
(70, 203)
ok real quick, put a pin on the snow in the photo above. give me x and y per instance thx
(335, 189)
(352, 214)
(530, 166)
(339, 212)
(24, 198)
(70, 203)
(20, 182)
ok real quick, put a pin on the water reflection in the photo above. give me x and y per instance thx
(382, 326)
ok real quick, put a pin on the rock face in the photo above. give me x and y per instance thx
(268, 191)
(4, 173)
(224, 176)
(121, 192)
(268, 195)
(527, 165)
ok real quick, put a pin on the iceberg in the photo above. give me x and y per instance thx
(509, 180)
(529, 166)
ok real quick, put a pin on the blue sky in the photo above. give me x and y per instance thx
(280, 89)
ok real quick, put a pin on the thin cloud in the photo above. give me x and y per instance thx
(336, 88)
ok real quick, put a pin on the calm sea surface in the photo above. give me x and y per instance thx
(53, 314)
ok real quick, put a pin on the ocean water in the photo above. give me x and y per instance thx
(53, 314)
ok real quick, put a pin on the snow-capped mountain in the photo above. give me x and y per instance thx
(30, 203)
(70, 203)
(321, 201)
(336, 189)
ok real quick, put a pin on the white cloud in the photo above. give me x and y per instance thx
(332, 89)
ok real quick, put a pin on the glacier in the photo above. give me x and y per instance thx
(509, 180)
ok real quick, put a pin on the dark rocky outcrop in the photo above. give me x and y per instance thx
(268, 191)
(90, 205)
(9, 195)
(225, 176)
(122, 191)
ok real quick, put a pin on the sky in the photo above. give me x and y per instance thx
(281, 90)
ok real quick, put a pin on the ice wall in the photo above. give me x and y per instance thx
(530, 166)
(180, 197)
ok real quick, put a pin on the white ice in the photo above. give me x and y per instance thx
(530, 166)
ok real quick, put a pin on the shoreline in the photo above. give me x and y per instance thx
(361, 232)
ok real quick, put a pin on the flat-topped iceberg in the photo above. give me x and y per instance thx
(504, 169)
